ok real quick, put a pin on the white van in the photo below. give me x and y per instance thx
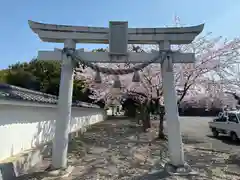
(227, 123)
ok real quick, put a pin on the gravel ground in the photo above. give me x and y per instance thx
(118, 150)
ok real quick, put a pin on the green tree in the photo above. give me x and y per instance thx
(42, 76)
(21, 78)
(3, 74)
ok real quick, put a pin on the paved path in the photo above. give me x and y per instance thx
(196, 129)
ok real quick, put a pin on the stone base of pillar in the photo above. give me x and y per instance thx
(59, 173)
(183, 170)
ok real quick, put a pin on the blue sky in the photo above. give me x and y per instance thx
(19, 43)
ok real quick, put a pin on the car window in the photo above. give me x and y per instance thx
(232, 118)
(238, 115)
(221, 119)
(220, 114)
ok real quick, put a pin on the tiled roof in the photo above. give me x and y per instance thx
(10, 92)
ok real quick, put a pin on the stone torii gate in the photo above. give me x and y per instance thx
(118, 36)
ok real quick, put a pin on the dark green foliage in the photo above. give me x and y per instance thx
(42, 76)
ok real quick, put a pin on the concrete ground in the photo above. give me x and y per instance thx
(196, 129)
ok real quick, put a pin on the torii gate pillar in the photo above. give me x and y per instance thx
(60, 141)
(175, 146)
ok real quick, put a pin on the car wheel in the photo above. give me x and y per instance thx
(215, 132)
(234, 136)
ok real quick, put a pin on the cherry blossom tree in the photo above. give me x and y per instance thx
(214, 70)
(211, 74)
(150, 80)
(214, 61)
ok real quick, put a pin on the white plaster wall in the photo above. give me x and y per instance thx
(25, 126)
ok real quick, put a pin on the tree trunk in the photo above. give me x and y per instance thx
(146, 117)
(160, 130)
(112, 110)
(161, 112)
(148, 123)
(138, 115)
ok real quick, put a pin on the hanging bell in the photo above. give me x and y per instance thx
(117, 83)
(136, 77)
(98, 79)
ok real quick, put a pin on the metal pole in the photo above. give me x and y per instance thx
(60, 142)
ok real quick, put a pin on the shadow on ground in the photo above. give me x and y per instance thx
(191, 140)
(118, 150)
(160, 174)
(33, 176)
(226, 139)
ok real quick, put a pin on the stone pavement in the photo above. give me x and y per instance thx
(118, 150)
